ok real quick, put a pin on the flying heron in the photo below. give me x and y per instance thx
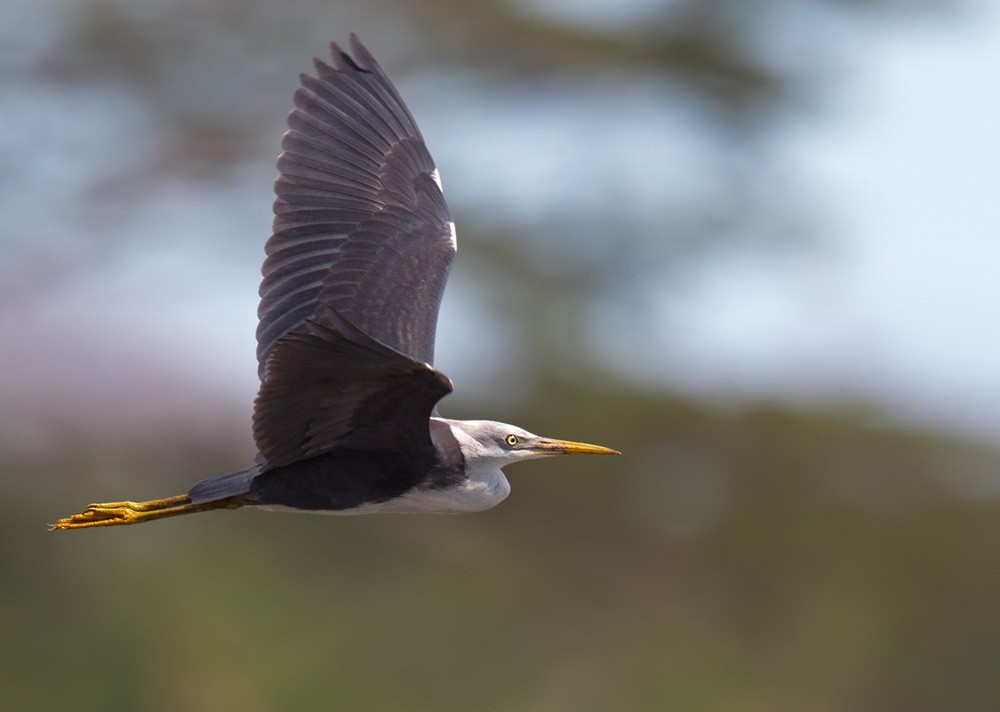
(346, 417)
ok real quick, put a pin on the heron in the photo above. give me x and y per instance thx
(346, 420)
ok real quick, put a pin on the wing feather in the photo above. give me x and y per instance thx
(335, 387)
(361, 226)
(354, 272)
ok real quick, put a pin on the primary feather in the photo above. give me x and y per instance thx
(360, 224)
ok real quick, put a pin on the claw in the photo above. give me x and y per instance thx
(106, 514)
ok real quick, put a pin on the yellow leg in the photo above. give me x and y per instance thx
(107, 514)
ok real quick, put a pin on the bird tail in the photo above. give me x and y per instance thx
(114, 513)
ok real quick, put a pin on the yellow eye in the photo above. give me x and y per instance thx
(512, 440)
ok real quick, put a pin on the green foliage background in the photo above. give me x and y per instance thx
(836, 573)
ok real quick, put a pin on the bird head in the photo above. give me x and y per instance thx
(504, 444)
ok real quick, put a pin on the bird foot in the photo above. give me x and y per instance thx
(105, 514)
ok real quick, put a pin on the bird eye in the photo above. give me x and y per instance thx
(512, 440)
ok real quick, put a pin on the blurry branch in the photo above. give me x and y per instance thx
(711, 44)
(216, 75)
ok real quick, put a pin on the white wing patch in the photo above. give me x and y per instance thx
(436, 177)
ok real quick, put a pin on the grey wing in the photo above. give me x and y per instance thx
(335, 387)
(332, 387)
(361, 226)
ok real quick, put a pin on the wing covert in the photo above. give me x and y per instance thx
(333, 387)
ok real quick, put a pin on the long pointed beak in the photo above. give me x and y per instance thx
(566, 447)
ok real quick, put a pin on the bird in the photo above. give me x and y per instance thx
(346, 417)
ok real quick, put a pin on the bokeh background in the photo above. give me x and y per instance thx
(752, 245)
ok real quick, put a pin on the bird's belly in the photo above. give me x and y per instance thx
(470, 496)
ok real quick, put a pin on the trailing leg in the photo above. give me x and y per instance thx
(107, 514)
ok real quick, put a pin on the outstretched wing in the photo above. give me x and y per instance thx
(335, 387)
(361, 227)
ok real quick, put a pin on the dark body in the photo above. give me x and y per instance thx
(346, 479)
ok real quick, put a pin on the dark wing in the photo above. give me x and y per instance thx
(360, 225)
(335, 387)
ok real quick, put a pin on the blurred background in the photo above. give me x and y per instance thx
(751, 245)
